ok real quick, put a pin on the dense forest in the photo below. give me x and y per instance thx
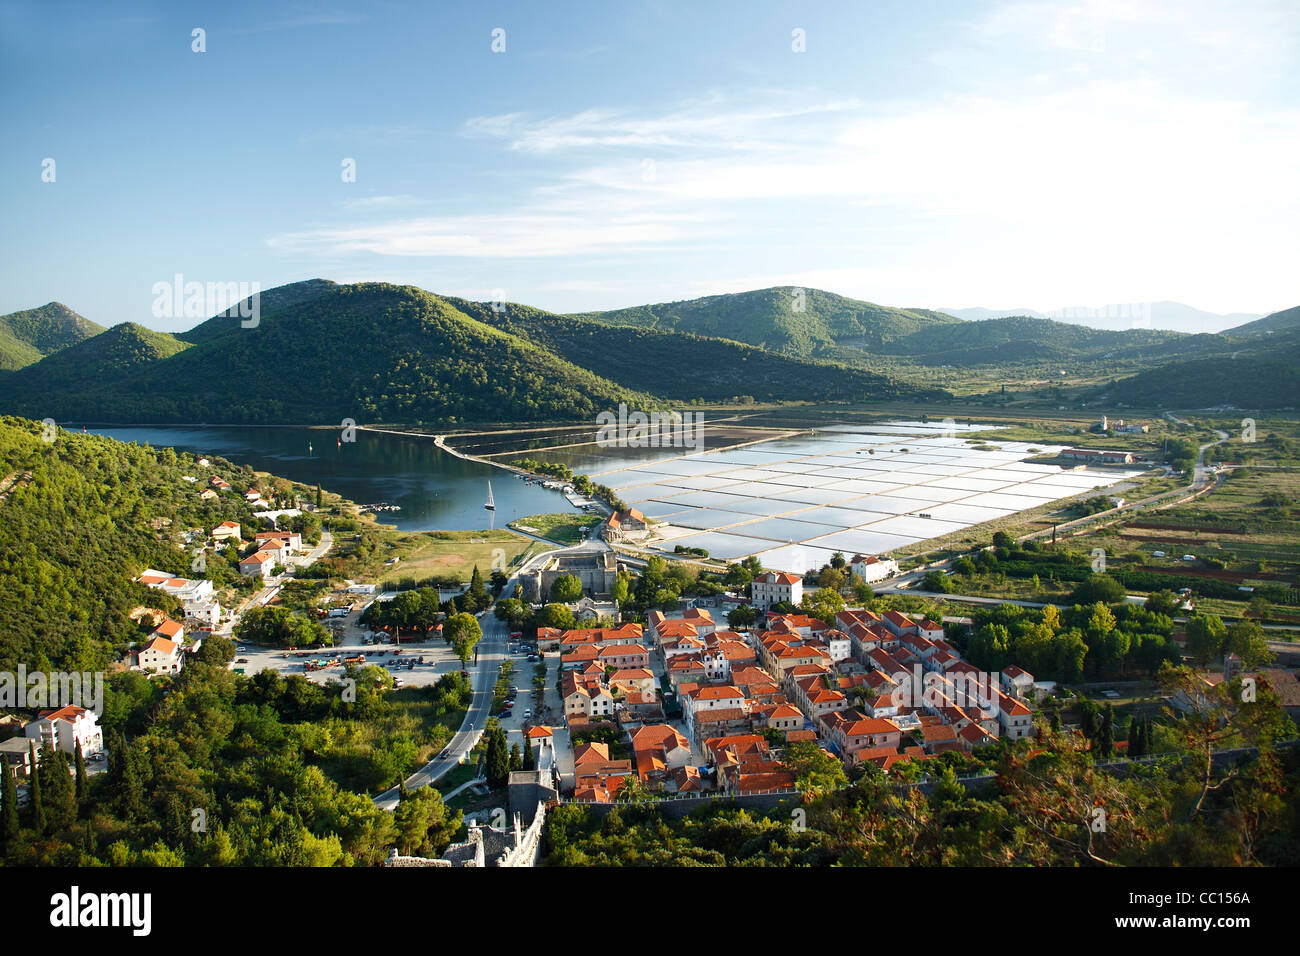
(369, 352)
(702, 368)
(778, 320)
(211, 768)
(80, 516)
(27, 336)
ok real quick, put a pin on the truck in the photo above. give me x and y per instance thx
(359, 659)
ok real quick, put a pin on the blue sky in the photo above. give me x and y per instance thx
(916, 154)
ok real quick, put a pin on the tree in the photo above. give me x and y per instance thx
(814, 769)
(462, 631)
(1104, 743)
(1162, 602)
(556, 616)
(936, 582)
(566, 589)
(497, 762)
(8, 806)
(741, 617)
(1099, 587)
(511, 611)
(1205, 638)
(824, 604)
(477, 593)
(516, 758)
(83, 784)
(1246, 639)
(37, 807)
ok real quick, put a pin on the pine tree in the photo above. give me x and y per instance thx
(477, 595)
(8, 805)
(37, 808)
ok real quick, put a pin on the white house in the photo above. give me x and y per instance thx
(773, 587)
(260, 564)
(870, 569)
(161, 656)
(226, 531)
(65, 728)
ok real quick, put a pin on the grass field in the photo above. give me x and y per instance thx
(449, 554)
(561, 528)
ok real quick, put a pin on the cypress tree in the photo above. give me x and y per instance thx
(57, 790)
(8, 805)
(1134, 737)
(83, 784)
(34, 781)
(1105, 742)
(529, 763)
(516, 758)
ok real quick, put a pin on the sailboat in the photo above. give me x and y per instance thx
(490, 506)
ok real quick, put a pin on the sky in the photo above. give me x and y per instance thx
(917, 154)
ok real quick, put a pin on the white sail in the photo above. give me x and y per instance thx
(490, 506)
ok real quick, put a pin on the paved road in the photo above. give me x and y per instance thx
(492, 650)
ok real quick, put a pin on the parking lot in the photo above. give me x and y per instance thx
(413, 663)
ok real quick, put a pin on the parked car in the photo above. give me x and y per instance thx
(527, 714)
(242, 660)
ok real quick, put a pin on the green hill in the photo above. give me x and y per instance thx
(1285, 321)
(270, 302)
(76, 525)
(371, 352)
(92, 366)
(1027, 339)
(766, 318)
(1260, 372)
(27, 336)
(681, 366)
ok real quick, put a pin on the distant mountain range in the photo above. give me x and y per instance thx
(1164, 316)
(383, 353)
(375, 352)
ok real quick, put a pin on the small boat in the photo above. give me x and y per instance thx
(491, 505)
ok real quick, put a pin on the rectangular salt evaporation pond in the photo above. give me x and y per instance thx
(1012, 503)
(762, 507)
(701, 483)
(728, 547)
(914, 526)
(790, 530)
(796, 559)
(862, 541)
(708, 519)
(966, 514)
(630, 479)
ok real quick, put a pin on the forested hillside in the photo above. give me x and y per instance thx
(77, 520)
(28, 336)
(767, 318)
(371, 352)
(683, 366)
